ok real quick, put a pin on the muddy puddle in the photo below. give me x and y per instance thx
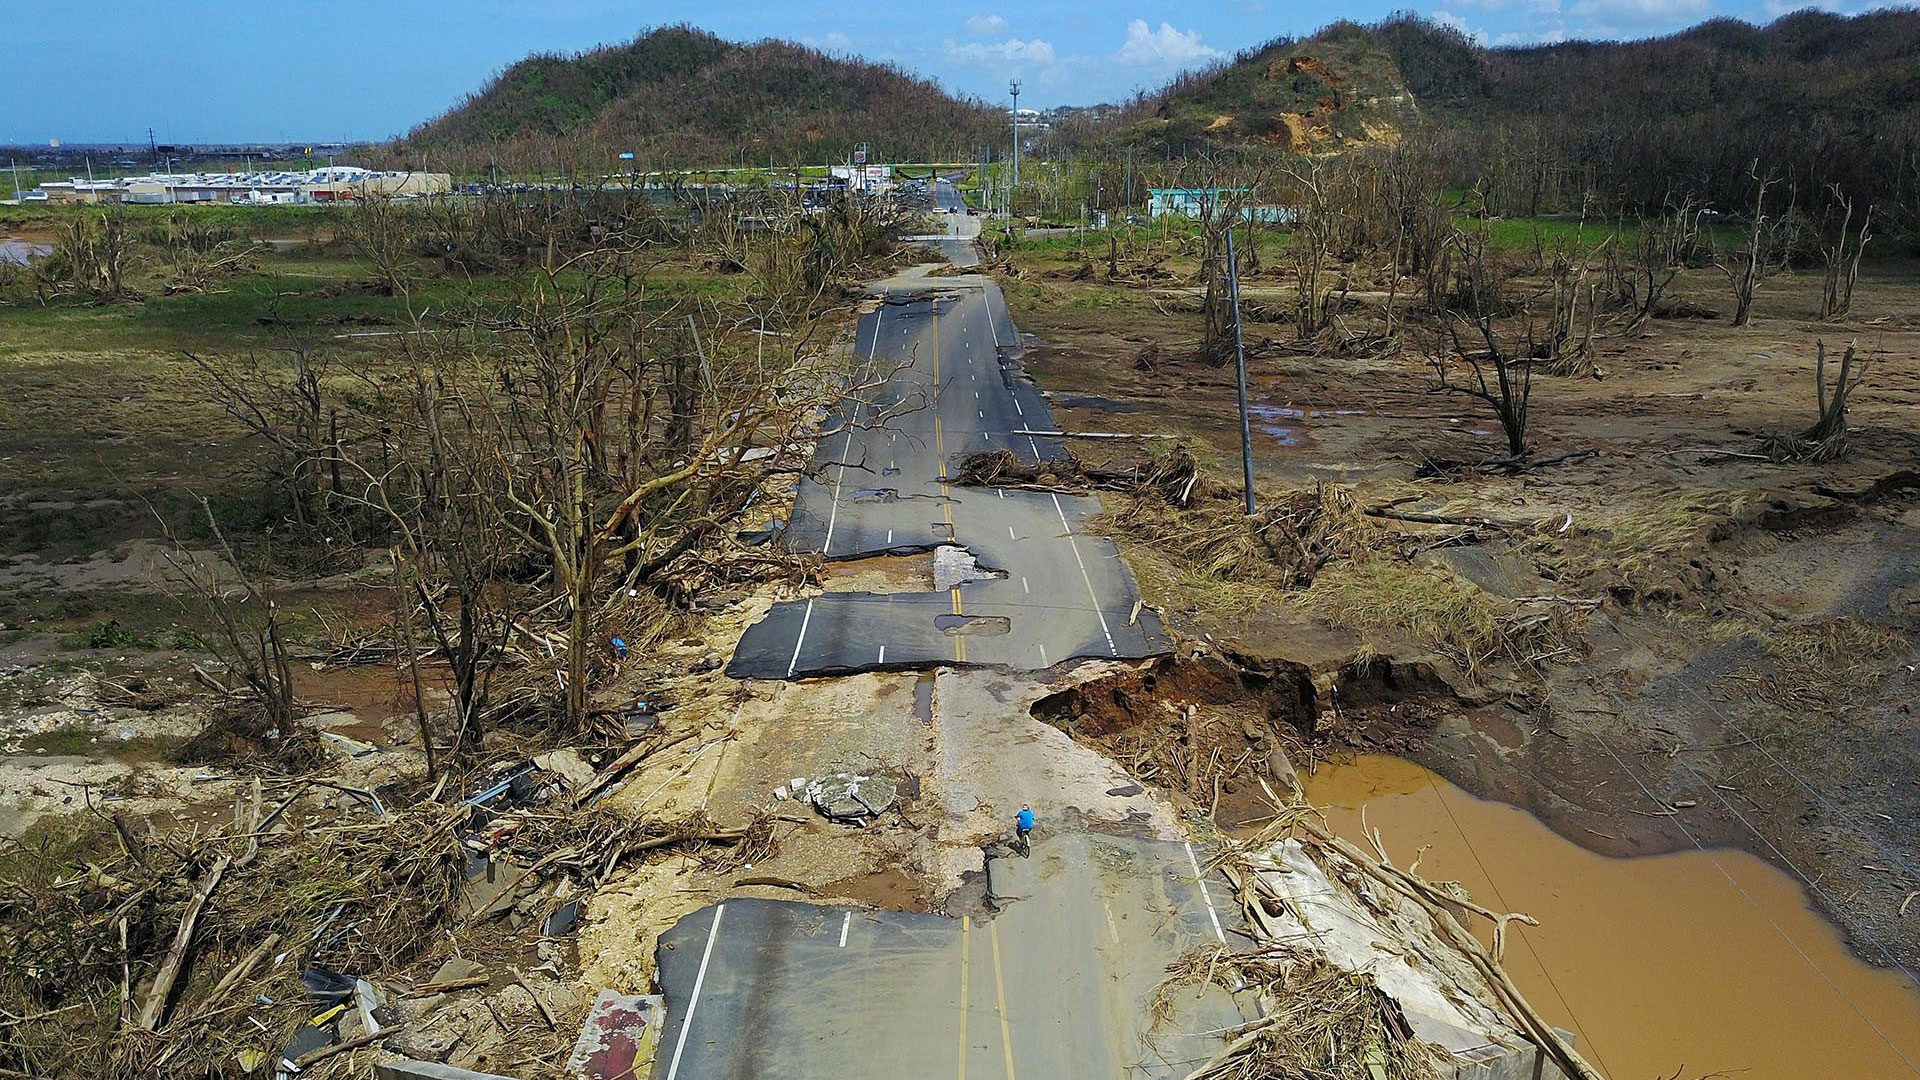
(1691, 964)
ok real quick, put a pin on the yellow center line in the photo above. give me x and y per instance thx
(966, 961)
(1000, 996)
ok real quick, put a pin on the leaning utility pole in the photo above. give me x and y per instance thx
(1014, 184)
(1240, 370)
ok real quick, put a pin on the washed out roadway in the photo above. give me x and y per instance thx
(883, 483)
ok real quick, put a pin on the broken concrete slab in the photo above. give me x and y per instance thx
(954, 566)
(569, 765)
(455, 969)
(619, 1037)
(851, 797)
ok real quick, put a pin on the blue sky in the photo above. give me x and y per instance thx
(218, 70)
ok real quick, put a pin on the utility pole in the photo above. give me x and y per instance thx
(1014, 184)
(1240, 370)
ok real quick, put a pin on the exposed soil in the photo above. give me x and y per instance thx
(1739, 651)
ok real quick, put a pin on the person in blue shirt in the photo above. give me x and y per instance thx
(1022, 827)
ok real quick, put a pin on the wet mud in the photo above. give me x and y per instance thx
(1696, 963)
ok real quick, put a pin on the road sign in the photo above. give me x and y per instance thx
(859, 157)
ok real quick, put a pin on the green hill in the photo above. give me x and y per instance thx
(680, 96)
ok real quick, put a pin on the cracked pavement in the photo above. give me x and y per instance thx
(882, 484)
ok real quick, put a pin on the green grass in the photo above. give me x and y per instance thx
(88, 742)
(1566, 231)
(255, 221)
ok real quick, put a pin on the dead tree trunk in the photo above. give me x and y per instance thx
(1826, 440)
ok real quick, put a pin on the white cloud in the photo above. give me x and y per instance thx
(1165, 47)
(1643, 11)
(1010, 51)
(833, 41)
(1448, 18)
(987, 24)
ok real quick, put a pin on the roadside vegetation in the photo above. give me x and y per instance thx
(475, 458)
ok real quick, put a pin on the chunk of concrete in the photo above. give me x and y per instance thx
(852, 797)
(569, 766)
(954, 565)
(619, 1038)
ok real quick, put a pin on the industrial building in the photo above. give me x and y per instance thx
(335, 183)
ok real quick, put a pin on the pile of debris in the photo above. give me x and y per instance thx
(321, 920)
(1366, 971)
(1174, 477)
(844, 797)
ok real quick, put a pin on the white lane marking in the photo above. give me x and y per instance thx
(848, 921)
(1023, 586)
(1036, 447)
(984, 302)
(1084, 576)
(882, 660)
(873, 349)
(804, 620)
(1002, 492)
(1043, 656)
(833, 516)
(982, 412)
(680, 1045)
(889, 536)
(1112, 930)
(1204, 895)
(1016, 405)
(1010, 535)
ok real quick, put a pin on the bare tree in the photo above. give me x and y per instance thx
(249, 637)
(1826, 440)
(1843, 259)
(386, 234)
(1639, 273)
(1495, 372)
(1764, 253)
(286, 400)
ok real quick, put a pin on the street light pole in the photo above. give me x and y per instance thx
(1014, 185)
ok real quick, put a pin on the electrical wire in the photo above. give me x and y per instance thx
(1502, 900)
(1764, 913)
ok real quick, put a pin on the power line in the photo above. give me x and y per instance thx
(1502, 900)
(1764, 913)
(1830, 806)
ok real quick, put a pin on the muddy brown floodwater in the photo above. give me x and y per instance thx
(1696, 964)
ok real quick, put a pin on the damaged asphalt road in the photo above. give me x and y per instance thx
(1059, 593)
(758, 988)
